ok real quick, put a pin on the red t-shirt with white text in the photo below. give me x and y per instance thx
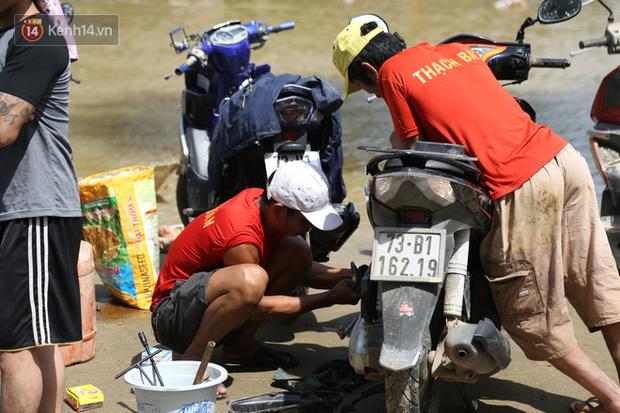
(446, 93)
(202, 244)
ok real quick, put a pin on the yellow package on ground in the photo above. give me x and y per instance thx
(84, 397)
(119, 212)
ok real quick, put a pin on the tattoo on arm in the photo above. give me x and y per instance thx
(7, 105)
(10, 118)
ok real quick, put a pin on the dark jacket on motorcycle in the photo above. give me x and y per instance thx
(249, 116)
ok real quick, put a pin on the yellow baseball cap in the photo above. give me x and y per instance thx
(348, 44)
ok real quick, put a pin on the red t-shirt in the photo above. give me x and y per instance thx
(201, 246)
(446, 93)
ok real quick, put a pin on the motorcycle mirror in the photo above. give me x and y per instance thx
(67, 10)
(555, 11)
(178, 40)
(527, 23)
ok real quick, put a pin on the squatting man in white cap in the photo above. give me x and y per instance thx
(237, 265)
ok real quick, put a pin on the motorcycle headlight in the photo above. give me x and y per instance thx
(294, 111)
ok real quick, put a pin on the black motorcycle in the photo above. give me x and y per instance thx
(278, 119)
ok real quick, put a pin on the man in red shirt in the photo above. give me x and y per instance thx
(237, 265)
(546, 241)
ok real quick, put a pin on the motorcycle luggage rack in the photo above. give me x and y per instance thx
(460, 161)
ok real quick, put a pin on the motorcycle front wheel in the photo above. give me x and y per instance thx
(182, 200)
(411, 391)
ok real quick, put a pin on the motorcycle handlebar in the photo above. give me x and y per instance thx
(550, 63)
(282, 27)
(258, 35)
(191, 61)
(602, 41)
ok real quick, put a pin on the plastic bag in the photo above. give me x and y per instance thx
(119, 211)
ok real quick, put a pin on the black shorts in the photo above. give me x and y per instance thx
(39, 287)
(176, 318)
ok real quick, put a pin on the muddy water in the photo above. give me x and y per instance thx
(124, 113)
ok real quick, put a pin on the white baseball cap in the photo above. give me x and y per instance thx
(303, 187)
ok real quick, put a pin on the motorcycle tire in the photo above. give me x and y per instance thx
(411, 391)
(182, 200)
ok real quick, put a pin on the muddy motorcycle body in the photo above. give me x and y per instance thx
(427, 314)
(426, 310)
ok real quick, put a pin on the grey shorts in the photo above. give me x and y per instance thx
(176, 318)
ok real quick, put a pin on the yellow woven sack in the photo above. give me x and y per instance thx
(119, 211)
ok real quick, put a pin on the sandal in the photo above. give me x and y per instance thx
(265, 358)
(592, 405)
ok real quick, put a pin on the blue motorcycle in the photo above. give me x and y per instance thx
(239, 122)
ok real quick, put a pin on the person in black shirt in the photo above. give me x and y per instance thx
(40, 224)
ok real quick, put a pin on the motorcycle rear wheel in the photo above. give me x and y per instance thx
(411, 391)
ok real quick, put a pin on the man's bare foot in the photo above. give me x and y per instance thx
(167, 234)
(221, 391)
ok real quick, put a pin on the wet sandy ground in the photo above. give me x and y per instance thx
(524, 386)
(119, 129)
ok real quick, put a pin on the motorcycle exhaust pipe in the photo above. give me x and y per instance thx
(477, 347)
(461, 348)
(456, 272)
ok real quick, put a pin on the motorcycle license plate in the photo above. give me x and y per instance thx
(408, 255)
(274, 159)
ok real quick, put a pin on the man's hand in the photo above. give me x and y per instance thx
(344, 293)
(324, 277)
(408, 143)
(273, 307)
(14, 113)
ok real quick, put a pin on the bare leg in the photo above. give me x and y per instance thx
(52, 366)
(579, 367)
(232, 294)
(22, 382)
(612, 338)
(289, 263)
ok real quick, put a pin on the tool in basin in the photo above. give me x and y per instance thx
(202, 373)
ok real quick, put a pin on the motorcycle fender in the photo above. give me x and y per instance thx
(406, 311)
(183, 141)
(198, 142)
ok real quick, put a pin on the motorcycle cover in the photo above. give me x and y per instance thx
(249, 116)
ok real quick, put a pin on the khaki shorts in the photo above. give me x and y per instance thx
(547, 243)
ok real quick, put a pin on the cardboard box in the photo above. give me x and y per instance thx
(84, 397)
(163, 356)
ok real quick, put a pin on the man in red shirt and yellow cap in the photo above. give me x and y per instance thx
(546, 242)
